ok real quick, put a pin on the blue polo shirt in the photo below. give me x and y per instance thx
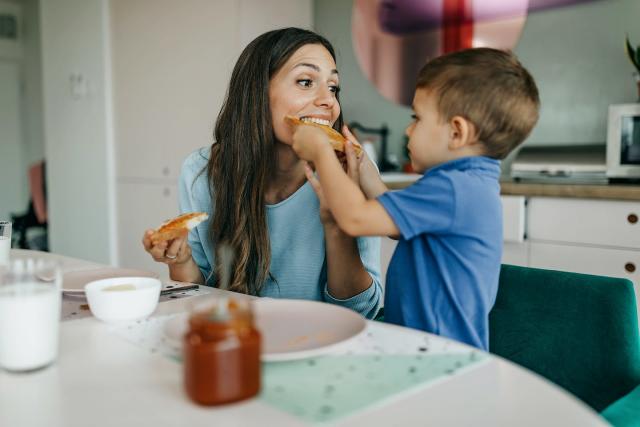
(443, 276)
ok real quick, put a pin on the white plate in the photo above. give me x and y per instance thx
(73, 281)
(292, 329)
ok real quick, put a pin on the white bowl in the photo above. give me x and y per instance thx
(123, 298)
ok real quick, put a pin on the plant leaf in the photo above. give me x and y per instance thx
(634, 56)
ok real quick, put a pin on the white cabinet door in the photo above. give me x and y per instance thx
(514, 250)
(515, 253)
(513, 218)
(171, 66)
(142, 206)
(597, 222)
(387, 247)
(588, 260)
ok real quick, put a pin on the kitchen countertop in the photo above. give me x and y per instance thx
(583, 191)
(397, 180)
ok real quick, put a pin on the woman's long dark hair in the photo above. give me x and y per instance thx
(243, 156)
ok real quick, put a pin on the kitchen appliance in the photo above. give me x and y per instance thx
(386, 160)
(623, 142)
(562, 164)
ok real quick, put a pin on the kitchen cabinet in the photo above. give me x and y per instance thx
(608, 223)
(586, 259)
(515, 253)
(584, 235)
(601, 225)
(591, 236)
(513, 218)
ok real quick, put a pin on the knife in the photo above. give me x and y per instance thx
(178, 289)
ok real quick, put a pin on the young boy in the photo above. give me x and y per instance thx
(471, 108)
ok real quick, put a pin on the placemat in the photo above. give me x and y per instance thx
(372, 369)
(325, 389)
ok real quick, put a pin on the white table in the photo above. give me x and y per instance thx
(101, 379)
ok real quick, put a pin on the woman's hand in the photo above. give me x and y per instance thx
(173, 252)
(325, 214)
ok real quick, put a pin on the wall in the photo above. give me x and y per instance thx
(576, 54)
(12, 179)
(171, 66)
(78, 128)
(32, 72)
(21, 141)
(13, 186)
(259, 16)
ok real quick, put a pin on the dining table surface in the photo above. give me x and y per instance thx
(105, 375)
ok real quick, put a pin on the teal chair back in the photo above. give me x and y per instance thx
(577, 330)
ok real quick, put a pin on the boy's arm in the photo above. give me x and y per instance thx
(369, 176)
(370, 180)
(354, 214)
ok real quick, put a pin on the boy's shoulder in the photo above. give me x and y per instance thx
(467, 168)
(471, 164)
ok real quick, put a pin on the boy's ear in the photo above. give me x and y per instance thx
(463, 133)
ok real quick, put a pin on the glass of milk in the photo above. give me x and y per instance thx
(30, 299)
(5, 242)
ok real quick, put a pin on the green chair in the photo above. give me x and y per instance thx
(578, 331)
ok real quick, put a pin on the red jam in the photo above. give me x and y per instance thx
(222, 355)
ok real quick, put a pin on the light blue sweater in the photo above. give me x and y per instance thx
(298, 261)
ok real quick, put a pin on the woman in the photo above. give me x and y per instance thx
(253, 186)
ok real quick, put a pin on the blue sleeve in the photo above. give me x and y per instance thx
(190, 187)
(427, 206)
(367, 301)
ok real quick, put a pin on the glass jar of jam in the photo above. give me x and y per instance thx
(222, 353)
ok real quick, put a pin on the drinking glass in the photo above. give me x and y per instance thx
(5, 242)
(30, 299)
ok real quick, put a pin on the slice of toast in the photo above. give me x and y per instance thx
(178, 226)
(337, 140)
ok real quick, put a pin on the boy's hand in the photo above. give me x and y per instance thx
(363, 171)
(309, 141)
(350, 163)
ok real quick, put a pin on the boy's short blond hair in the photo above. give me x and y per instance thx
(488, 87)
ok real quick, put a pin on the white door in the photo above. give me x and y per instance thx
(13, 181)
